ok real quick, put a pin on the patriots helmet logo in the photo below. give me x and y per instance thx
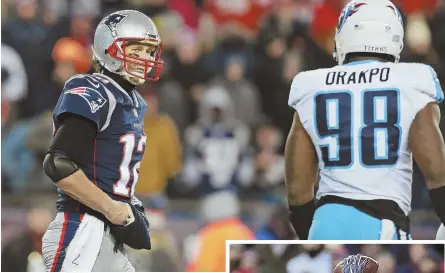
(113, 20)
(347, 12)
(94, 99)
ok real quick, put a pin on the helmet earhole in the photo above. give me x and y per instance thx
(112, 50)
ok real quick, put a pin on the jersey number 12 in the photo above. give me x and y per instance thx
(123, 186)
(378, 134)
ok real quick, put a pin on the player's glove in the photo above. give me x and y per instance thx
(136, 234)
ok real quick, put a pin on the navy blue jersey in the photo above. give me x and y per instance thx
(120, 141)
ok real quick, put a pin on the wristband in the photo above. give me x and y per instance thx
(438, 199)
(301, 218)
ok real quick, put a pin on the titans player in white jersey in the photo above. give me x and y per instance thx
(358, 126)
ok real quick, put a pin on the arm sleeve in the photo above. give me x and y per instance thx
(435, 87)
(300, 91)
(75, 137)
(294, 95)
(427, 89)
(86, 97)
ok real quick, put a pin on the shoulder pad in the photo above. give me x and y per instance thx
(83, 95)
(296, 90)
(433, 87)
(89, 88)
(424, 79)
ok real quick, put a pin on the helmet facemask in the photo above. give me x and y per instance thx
(136, 69)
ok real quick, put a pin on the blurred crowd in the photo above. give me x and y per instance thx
(311, 258)
(216, 121)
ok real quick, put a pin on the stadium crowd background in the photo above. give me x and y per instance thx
(323, 258)
(238, 56)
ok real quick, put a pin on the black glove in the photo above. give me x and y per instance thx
(301, 218)
(437, 196)
(136, 234)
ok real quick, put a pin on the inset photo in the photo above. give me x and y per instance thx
(336, 258)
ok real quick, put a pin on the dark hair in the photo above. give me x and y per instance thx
(95, 67)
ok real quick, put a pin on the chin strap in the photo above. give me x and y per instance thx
(128, 78)
(133, 80)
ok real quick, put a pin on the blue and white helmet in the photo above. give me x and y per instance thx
(371, 26)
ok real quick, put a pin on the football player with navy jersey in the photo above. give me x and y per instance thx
(97, 148)
(357, 127)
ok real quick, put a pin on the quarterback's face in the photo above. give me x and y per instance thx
(137, 53)
(142, 51)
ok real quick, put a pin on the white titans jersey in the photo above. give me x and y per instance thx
(358, 117)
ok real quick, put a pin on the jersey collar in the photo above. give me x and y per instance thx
(362, 62)
(115, 84)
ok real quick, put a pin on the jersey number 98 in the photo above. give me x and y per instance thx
(378, 133)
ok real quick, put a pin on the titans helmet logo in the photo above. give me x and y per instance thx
(347, 12)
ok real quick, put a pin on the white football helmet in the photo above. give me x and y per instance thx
(369, 26)
(111, 37)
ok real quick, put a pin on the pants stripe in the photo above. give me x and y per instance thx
(62, 238)
(70, 225)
